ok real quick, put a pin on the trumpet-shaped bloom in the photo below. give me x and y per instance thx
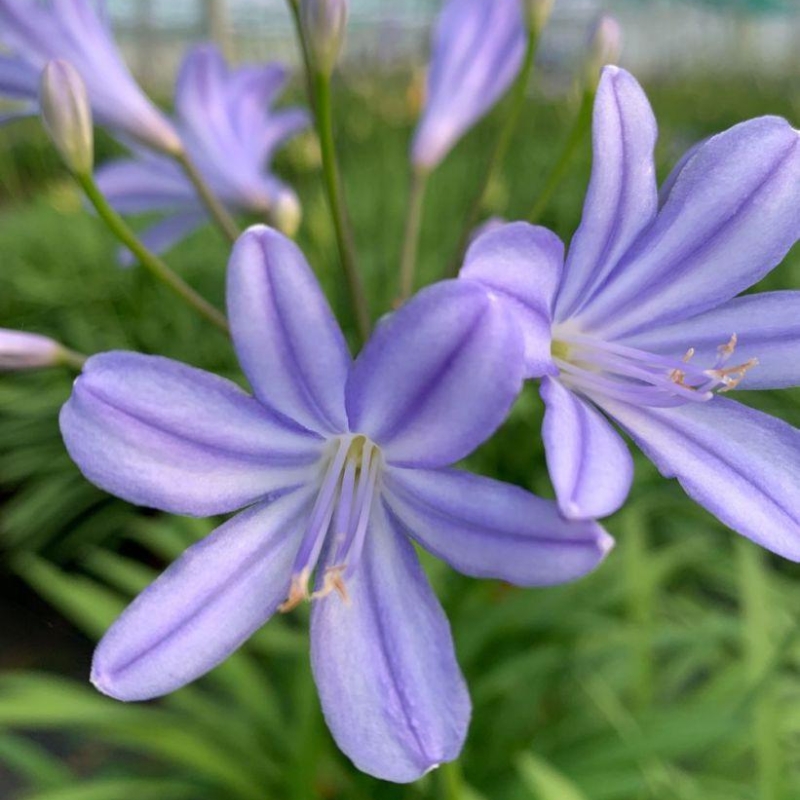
(643, 325)
(337, 464)
(478, 49)
(231, 132)
(78, 32)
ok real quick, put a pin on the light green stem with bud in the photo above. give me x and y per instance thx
(152, 263)
(219, 214)
(319, 96)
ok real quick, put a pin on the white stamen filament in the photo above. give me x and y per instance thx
(345, 499)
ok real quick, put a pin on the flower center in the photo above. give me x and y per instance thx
(339, 520)
(641, 378)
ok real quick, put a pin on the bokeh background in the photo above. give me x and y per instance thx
(672, 673)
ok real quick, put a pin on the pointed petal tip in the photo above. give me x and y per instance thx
(103, 679)
(572, 511)
(605, 542)
(432, 768)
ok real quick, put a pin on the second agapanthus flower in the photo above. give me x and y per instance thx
(641, 324)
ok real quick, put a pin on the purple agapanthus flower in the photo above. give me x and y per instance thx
(231, 132)
(337, 464)
(642, 324)
(478, 49)
(77, 31)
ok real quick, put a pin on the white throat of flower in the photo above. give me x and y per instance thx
(339, 520)
(634, 376)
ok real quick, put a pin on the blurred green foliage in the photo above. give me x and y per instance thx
(672, 673)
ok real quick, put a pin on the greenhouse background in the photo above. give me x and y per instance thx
(671, 673)
(710, 35)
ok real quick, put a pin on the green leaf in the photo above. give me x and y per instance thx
(84, 602)
(45, 702)
(32, 762)
(544, 781)
(121, 789)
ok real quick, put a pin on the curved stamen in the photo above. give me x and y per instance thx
(600, 383)
(348, 553)
(631, 375)
(319, 522)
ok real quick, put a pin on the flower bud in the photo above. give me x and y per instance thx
(20, 351)
(286, 213)
(67, 115)
(538, 13)
(324, 23)
(604, 47)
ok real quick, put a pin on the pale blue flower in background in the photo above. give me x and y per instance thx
(231, 132)
(76, 31)
(643, 325)
(478, 50)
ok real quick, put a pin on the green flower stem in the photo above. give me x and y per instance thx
(451, 781)
(71, 358)
(578, 132)
(758, 645)
(149, 261)
(294, 7)
(225, 222)
(336, 201)
(408, 261)
(501, 147)
(641, 588)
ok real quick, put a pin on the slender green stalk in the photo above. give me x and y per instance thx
(336, 201)
(501, 147)
(149, 261)
(408, 261)
(71, 358)
(451, 781)
(318, 85)
(225, 222)
(640, 596)
(758, 649)
(294, 7)
(578, 132)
